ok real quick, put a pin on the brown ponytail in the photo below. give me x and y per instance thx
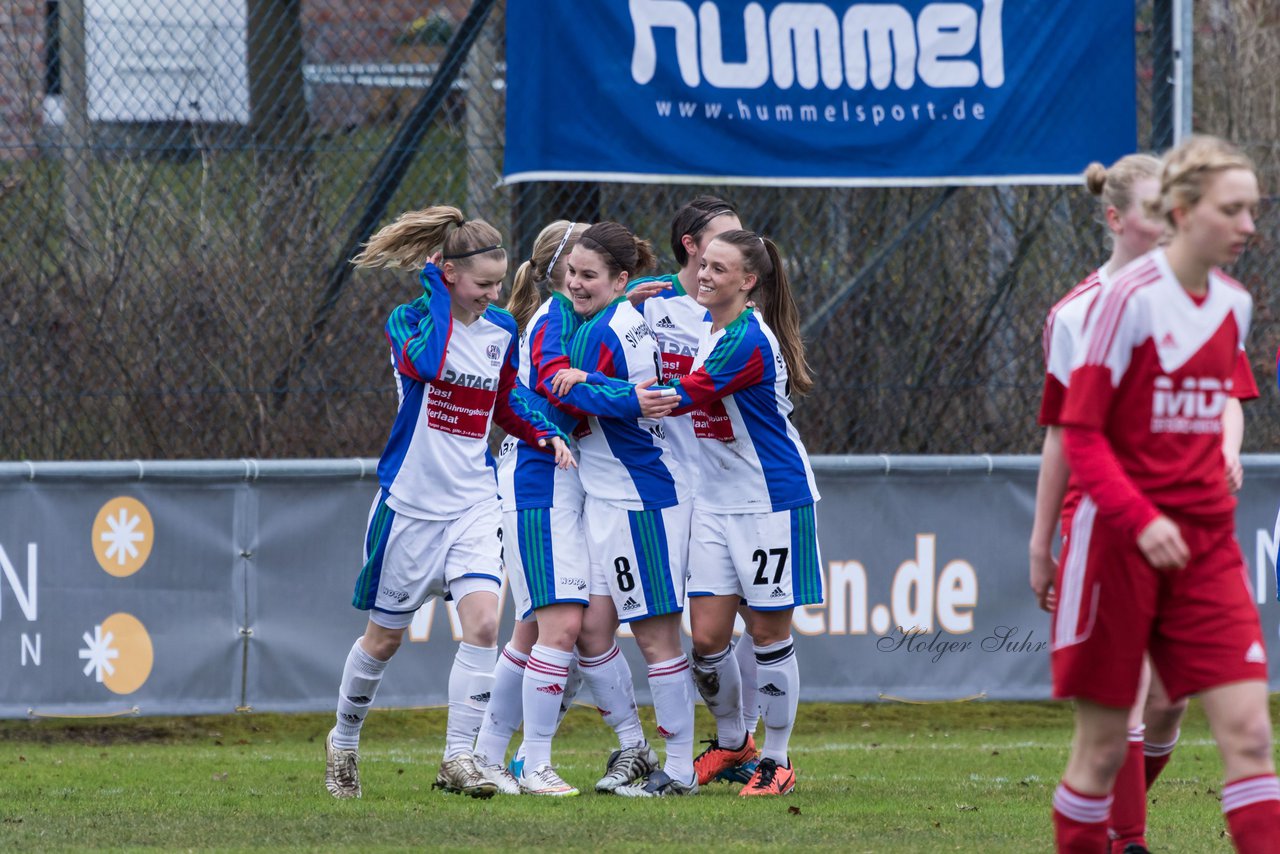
(621, 250)
(772, 294)
(416, 235)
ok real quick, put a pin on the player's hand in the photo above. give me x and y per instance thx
(642, 292)
(1044, 570)
(565, 379)
(564, 457)
(1162, 545)
(1235, 471)
(655, 402)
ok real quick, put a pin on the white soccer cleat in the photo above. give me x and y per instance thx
(461, 776)
(502, 778)
(627, 766)
(341, 770)
(545, 781)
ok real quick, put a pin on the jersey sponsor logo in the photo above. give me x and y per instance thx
(451, 377)
(631, 604)
(1193, 406)
(553, 689)
(459, 409)
(398, 595)
(638, 333)
(1256, 654)
(772, 690)
(664, 322)
(677, 364)
(713, 422)
(864, 44)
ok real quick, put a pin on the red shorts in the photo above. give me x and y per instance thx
(1199, 623)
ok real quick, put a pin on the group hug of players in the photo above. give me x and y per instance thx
(652, 465)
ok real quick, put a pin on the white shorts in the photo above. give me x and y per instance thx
(408, 561)
(546, 557)
(769, 559)
(639, 557)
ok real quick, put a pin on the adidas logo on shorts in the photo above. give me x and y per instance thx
(772, 690)
(664, 323)
(777, 593)
(1256, 654)
(630, 605)
(552, 689)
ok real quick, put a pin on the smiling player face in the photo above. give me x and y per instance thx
(588, 281)
(723, 284)
(474, 287)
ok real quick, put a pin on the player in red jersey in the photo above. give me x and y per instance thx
(1152, 564)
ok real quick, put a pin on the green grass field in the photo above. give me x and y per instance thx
(873, 778)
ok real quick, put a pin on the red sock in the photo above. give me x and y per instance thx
(1157, 756)
(1129, 812)
(1252, 806)
(1080, 821)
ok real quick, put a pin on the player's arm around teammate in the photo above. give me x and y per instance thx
(637, 518)
(1157, 524)
(753, 533)
(434, 526)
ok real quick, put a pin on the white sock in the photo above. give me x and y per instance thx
(671, 684)
(544, 680)
(361, 676)
(470, 681)
(720, 685)
(506, 708)
(744, 651)
(609, 678)
(778, 677)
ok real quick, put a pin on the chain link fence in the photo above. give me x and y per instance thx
(181, 184)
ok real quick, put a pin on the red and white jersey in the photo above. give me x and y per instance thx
(1063, 331)
(1154, 374)
(679, 324)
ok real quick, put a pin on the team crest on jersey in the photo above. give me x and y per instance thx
(493, 353)
(1193, 406)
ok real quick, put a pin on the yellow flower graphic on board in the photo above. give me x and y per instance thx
(122, 536)
(118, 653)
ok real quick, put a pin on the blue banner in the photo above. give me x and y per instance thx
(818, 93)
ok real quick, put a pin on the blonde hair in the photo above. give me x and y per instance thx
(1187, 168)
(772, 294)
(1114, 185)
(416, 235)
(545, 266)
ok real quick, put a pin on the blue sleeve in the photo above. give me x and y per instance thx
(597, 351)
(419, 332)
(736, 362)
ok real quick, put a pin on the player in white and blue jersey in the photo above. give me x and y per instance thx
(754, 534)
(636, 513)
(434, 528)
(677, 319)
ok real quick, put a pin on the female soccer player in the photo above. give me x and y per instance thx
(1151, 564)
(676, 318)
(753, 531)
(637, 515)
(434, 528)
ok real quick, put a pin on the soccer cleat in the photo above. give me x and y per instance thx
(741, 773)
(770, 779)
(716, 760)
(658, 785)
(627, 766)
(545, 781)
(500, 777)
(460, 775)
(341, 770)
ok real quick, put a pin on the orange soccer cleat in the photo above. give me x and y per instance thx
(716, 759)
(770, 779)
